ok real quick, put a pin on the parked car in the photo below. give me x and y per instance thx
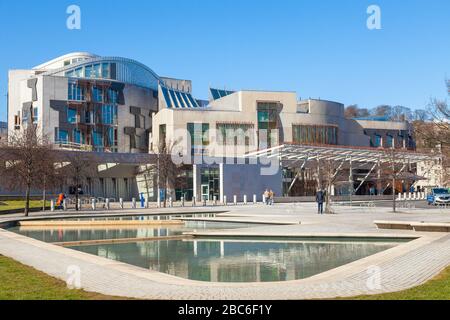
(438, 196)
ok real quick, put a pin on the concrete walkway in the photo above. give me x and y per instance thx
(404, 266)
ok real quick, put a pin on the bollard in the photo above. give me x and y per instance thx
(121, 203)
(224, 200)
(182, 201)
(133, 203)
(158, 204)
(170, 202)
(254, 199)
(204, 201)
(147, 203)
(264, 199)
(93, 204)
(194, 201)
(65, 205)
(245, 199)
(235, 200)
(52, 205)
(79, 204)
(399, 196)
(107, 204)
(215, 200)
(405, 196)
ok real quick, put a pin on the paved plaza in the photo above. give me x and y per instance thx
(402, 267)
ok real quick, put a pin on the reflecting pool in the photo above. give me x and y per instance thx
(239, 260)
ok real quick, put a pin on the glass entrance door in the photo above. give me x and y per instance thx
(205, 192)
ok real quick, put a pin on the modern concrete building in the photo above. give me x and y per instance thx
(116, 105)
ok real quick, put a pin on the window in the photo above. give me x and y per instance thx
(376, 141)
(98, 139)
(106, 70)
(97, 94)
(75, 92)
(315, 134)
(109, 114)
(96, 71)
(88, 71)
(71, 115)
(77, 137)
(199, 136)
(63, 136)
(389, 141)
(89, 117)
(235, 134)
(267, 124)
(112, 95)
(35, 115)
(78, 73)
(162, 132)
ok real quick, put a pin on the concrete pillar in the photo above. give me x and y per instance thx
(195, 248)
(222, 249)
(133, 203)
(52, 205)
(245, 199)
(121, 203)
(221, 182)
(94, 204)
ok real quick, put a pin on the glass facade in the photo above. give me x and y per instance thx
(63, 136)
(315, 134)
(389, 141)
(199, 133)
(97, 94)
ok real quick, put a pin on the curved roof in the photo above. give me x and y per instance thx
(69, 56)
(128, 71)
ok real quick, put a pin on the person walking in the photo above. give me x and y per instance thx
(271, 195)
(320, 197)
(266, 197)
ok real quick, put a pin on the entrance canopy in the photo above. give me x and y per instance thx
(288, 153)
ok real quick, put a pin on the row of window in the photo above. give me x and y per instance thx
(108, 115)
(311, 134)
(389, 142)
(93, 71)
(77, 93)
(62, 137)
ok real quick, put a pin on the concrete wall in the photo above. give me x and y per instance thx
(247, 180)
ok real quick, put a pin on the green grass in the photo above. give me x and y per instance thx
(435, 289)
(20, 204)
(20, 282)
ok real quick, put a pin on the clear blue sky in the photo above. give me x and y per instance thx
(317, 48)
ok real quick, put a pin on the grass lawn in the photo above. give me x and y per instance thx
(20, 204)
(20, 282)
(435, 289)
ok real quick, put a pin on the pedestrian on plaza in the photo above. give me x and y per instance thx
(266, 197)
(320, 197)
(271, 195)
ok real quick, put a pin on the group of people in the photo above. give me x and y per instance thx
(268, 197)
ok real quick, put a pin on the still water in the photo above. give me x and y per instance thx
(238, 260)
(63, 234)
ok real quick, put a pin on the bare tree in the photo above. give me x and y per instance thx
(24, 159)
(77, 168)
(168, 173)
(329, 173)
